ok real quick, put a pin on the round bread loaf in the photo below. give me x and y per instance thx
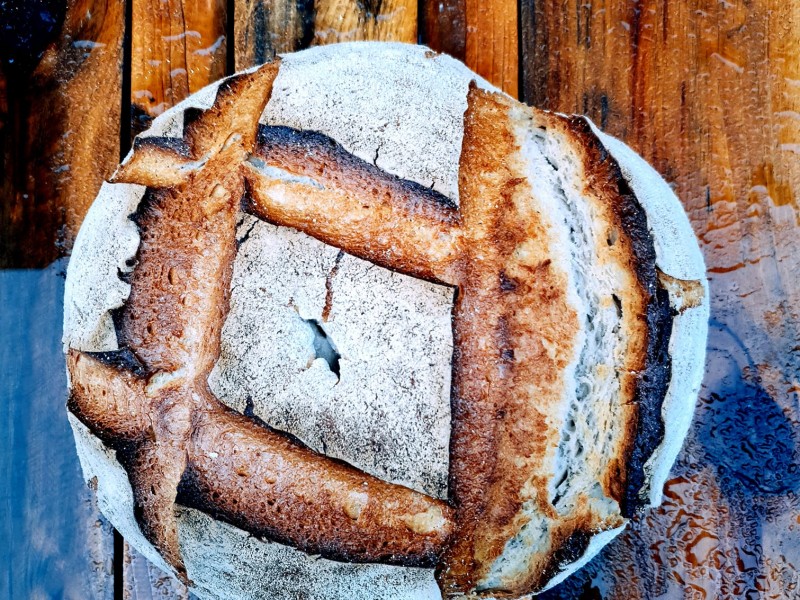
(355, 324)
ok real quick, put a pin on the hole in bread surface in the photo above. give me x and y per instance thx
(323, 346)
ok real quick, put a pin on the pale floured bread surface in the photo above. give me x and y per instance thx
(404, 113)
(387, 411)
(377, 321)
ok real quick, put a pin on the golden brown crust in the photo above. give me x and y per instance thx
(273, 487)
(113, 399)
(302, 179)
(688, 292)
(515, 332)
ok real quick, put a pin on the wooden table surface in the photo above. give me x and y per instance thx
(707, 90)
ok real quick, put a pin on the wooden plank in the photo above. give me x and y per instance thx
(59, 137)
(177, 48)
(493, 43)
(443, 27)
(349, 20)
(484, 35)
(143, 581)
(709, 93)
(263, 28)
(54, 543)
(60, 81)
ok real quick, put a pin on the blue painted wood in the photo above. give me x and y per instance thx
(53, 543)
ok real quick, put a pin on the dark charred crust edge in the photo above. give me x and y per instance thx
(170, 144)
(190, 117)
(568, 553)
(123, 359)
(314, 142)
(653, 380)
(148, 203)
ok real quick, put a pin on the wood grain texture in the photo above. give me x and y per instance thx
(709, 93)
(53, 542)
(492, 42)
(177, 48)
(143, 581)
(353, 20)
(59, 121)
(483, 35)
(443, 26)
(264, 28)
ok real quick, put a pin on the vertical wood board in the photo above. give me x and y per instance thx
(177, 48)
(54, 542)
(60, 79)
(483, 35)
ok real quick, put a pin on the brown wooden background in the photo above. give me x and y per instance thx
(707, 90)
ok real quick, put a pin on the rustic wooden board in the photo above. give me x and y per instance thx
(264, 28)
(177, 48)
(481, 34)
(443, 26)
(59, 137)
(60, 81)
(709, 93)
(349, 20)
(143, 581)
(53, 542)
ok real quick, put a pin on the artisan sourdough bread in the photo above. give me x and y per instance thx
(494, 314)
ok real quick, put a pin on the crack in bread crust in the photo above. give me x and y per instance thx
(516, 331)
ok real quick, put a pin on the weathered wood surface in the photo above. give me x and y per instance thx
(264, 28)
(177, 48)
(60, 78)
(709, 93)
(143, 581)
(53, 542)
(484, 35)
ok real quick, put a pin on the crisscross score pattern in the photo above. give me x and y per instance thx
(515, 333)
